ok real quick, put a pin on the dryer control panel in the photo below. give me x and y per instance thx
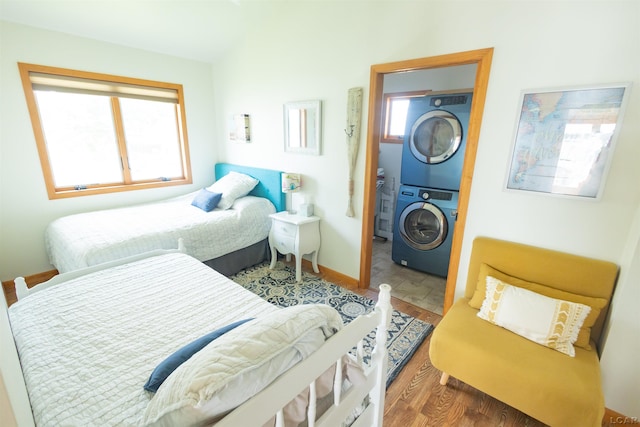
(448, 100)
(435, 195)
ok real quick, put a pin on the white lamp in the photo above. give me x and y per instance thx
(290, 184)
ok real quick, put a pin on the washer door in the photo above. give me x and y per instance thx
(423, 226)
(435, 136)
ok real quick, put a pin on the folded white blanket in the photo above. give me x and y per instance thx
(240, 363)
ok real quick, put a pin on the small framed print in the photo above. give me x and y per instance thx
(239, 128)
(564, 140)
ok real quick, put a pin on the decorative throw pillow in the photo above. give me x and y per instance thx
(232, 186)
(548, 321)
(206, 200)
(596, 304)
(168, 365)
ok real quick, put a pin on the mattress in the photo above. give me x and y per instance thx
(80, 364)
(91, 238)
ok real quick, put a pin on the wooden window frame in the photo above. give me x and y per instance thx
(130, 85)
(388, 98)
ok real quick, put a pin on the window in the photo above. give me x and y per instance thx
(99, 133)
(394, 112)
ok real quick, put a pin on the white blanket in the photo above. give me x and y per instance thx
(87, 346)
(240, 363)
(91, 238)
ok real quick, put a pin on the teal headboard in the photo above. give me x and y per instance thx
(269, 187)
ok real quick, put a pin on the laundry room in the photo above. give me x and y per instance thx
(423, 137)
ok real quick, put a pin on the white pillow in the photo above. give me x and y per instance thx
(548, 321)
(232, 186)
(239, 364)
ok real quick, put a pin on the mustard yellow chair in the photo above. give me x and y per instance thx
(544, 383)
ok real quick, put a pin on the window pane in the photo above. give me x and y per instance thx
(151, 133)
(80, 138)
(398, 113)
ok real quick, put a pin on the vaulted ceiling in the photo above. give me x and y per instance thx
(196, 29)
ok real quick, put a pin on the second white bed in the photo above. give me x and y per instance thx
(82, 240)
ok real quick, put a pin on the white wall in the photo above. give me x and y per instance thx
(308, 50)
(25, 209)
(621, 337)
(318, 50)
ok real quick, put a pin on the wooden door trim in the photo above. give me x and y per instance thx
(481, 57)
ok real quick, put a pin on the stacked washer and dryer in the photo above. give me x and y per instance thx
(432, 157)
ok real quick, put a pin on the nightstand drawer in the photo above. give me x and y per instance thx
(284, 244)
(281, 228)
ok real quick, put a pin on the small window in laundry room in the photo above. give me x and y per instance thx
(394, 111)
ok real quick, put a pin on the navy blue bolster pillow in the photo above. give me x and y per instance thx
(171, 363)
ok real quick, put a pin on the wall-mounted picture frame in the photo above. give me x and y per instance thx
(565, 138)
(240, 128)
(302, 127)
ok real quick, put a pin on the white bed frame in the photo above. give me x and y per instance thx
(262, 407)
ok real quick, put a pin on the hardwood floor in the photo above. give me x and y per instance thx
(416, 398)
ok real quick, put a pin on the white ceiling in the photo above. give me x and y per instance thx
(195, 29)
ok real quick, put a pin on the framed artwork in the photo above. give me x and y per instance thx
(239, 128)
(564, 140)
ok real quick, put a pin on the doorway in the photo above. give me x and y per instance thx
(482, 59)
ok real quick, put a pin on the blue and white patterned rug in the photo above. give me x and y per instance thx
(279, 287)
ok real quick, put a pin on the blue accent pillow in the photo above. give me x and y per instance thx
(171, 363)
(206, 200)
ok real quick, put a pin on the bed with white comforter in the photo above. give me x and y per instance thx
(86, 239)
(225, 225)
(88, 345)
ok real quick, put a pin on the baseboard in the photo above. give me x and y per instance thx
(613, 418)
(9, 289)
(332, 275)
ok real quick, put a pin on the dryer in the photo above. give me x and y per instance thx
(423, 230)
(435, 141)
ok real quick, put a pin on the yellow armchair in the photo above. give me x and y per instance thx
(546, 384)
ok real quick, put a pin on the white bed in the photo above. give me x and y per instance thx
(88, 340)
(82, 240)
(91, 238)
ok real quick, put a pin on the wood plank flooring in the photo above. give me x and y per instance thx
(416, 398)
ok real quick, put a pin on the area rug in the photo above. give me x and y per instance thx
(279, 287)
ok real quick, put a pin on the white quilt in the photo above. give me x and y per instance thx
(232, 368)
(88, 346)
(86, 239)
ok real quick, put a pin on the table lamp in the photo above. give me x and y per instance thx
(290, 184)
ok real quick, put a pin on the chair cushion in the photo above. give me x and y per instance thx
(563, 390)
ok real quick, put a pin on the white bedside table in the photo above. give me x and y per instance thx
(297, 235)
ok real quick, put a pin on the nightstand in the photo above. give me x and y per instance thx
(297, 235)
